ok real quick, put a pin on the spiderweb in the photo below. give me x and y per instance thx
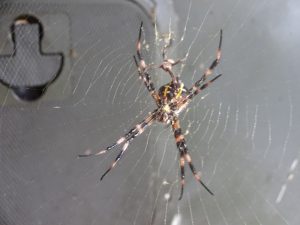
(242, 132)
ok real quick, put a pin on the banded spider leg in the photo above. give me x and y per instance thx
(185, 156)
(213, 65)
(168, 63)
(125, 140)
(199, 85)
(143, 68)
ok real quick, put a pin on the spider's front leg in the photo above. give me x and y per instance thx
(125, 140)
(168, 63)
(213, 64)
(143, 67)
(199, 85)
(184, 156)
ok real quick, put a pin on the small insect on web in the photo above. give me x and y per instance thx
(171, 99)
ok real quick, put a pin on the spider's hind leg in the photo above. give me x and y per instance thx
(181, 163)
(196, 175)
(119, 156)
(129, 136)
(185, 156)
(168, 44)
(139, 129)
(126, 139)
(139, 43)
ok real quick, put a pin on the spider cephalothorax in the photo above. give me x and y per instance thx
(171, 99)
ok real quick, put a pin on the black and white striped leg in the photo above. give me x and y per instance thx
(144, 75)
(213, 65)
(179, 137)
(139, 43)
(139, 129)
(143, 67)
(131, 134)
(119, 156)
(126, 139)
(195, 90)
(181, 164)
(184, 156)
(108, 148)
(196, 175)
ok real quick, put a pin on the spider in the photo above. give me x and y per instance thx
(171, 99)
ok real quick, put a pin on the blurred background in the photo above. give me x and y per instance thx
(242, 132)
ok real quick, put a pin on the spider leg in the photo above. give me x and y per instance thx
(139, 44)
(182, 162)
(126, 139)
(129, 136)
(178, 135)
(164, 53)
(165, 48)
(169, 63)
(196, 175)
(195, 90)
(125, 146)
(213, 65)
(184, 155)
(145, 76)
(142, 67)
(139, 129)
(192, 92)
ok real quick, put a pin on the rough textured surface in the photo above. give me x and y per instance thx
(29, 66)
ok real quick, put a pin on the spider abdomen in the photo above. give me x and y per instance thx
(172, 92)
(170, 100)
